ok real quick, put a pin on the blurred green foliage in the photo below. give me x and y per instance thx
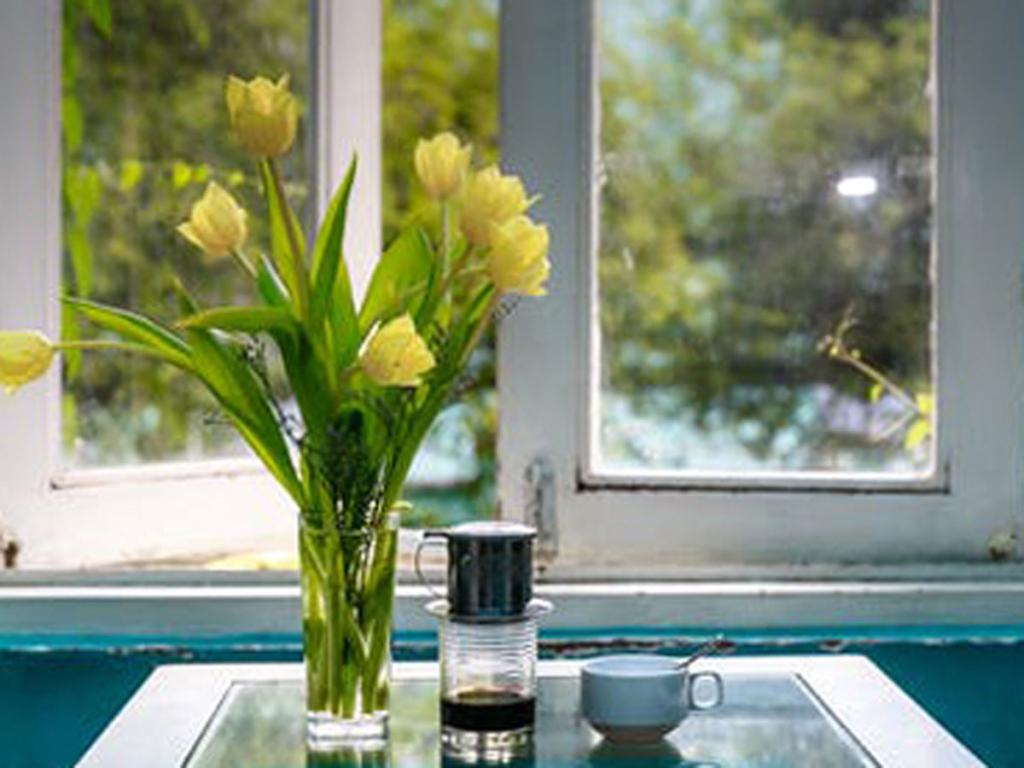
(144, 129)
(726, 253)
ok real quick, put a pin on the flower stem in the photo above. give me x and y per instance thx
(446, 301)
(482, 323)
(445, 212)
(348, 590)
(243, 262)
(91, 345)
(458, 269)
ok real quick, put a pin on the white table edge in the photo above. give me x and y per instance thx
(168, 713)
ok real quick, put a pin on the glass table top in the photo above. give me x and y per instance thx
(766, 721)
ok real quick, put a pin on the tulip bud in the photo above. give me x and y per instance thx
(217, 223)
(441, 165)
(395, 355)
(263, 114)
(491, 199)
(24, 356)
(518, 259)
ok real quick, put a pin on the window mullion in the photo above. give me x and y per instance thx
(980, 332)
(30, 217)
(347, 121)
(547, 138)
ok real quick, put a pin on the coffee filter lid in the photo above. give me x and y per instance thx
(536, 608)
(491, 529)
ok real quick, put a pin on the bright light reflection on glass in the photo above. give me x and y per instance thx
(857, 186)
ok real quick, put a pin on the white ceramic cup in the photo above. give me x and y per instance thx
(638, 698)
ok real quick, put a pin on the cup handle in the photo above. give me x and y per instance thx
(694, 677)
(428, 537)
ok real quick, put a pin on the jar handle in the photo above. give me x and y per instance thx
(428, 537)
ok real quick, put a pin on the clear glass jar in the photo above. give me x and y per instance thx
(488, 683)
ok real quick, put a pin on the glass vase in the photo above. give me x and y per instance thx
(348, 587)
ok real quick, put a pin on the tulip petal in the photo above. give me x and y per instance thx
(264, 114)
(441, 164)
(395, 355)
(518, 260)
(217, 224)
(491, 199)
(24, 356)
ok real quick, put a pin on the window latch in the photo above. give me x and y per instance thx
(9, 549)
(540, 506)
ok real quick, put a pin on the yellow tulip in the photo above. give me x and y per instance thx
(441, 164)
(24, 356)
(217, 223)
(395, 355)
(265, 115)
(518, 260)
(490, 200)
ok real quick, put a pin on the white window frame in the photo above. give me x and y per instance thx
(628, 535)
(733, 523)
(66, 519)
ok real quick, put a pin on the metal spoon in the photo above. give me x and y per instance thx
(714, 645)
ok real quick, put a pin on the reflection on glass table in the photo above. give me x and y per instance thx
(766, 721)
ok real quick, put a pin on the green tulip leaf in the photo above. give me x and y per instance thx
(245, 400)
(243, 319)
(270, 286)
(280, 213)
(400, 280)
(301, 363)
(134, 327)
(186, 303)
(332, 289)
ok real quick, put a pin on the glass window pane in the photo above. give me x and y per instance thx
(145, 129)
(440, 65)
(765, 236)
